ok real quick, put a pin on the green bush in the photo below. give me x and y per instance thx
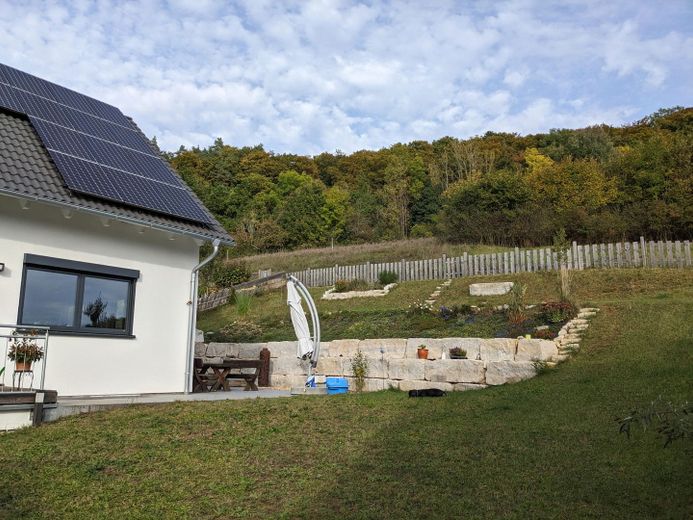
(228, 274)
(351, 285)
(557, 312)
(387, 277)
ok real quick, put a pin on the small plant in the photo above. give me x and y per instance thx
(557, 312)
(341, 286)
(422, 352)
(243, 300)
(669, 421)
(359, 368)
(544, 334)
(24, 349)
(516, 306)
(561, 247)
(540, 367)
(387, 277)
(446, 313)
(458, 353)
(419, 308)
(456, 311)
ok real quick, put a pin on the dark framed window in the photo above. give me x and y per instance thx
(77, 297)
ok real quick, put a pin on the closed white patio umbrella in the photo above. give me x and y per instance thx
(298, 318)
(308, 347)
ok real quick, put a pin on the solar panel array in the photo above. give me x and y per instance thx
(97, 150)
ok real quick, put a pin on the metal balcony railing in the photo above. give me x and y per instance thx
(14, 340)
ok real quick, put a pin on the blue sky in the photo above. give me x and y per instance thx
(313, 76)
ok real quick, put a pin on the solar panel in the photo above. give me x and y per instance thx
(97, 150)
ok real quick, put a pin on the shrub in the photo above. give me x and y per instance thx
(516, 306)
(228, 274)
(557, 312)
(351, 285)
(387, 277)
(359, 368)
(456, 311)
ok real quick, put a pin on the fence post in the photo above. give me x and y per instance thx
(670, 254)
(687, 252)
(679, 254)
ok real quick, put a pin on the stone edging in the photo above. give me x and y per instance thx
(570, 335)
(330, 294)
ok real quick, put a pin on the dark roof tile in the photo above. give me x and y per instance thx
(26, 170)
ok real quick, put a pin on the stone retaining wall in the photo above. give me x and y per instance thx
(394, 363)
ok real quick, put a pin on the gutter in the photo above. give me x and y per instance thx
(192, 316)
(112, 216)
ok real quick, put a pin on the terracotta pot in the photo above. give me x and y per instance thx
(422, 353)
(23, 366)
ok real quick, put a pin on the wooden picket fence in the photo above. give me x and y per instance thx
(590, 256)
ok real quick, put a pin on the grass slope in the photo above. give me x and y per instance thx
(268, 318)
(393, 251)
(544, 448)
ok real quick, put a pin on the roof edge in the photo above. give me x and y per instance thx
(224, 238)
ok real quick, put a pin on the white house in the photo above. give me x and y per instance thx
(96, 242)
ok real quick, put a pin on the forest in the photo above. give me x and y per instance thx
(598, 183)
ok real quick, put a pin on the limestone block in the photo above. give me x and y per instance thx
(578, 321)
(282, 348)
(497, 349)
(393, 348)
(373, 384)
(407, 368)
(471, 345)
(250, 350)
(570, 338)
(332, 366)
(502, 372)
(455, 371)
(407, 385)
(199, 336)
(461, 387)
(287, 382)
(200, 349)
(222, 350)
(490, 289)
(535, 349)
(343, 347)
(288, 366)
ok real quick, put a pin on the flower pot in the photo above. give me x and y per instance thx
(422, 353)
(457, 357)
(22, 366)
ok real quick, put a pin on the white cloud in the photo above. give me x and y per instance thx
(321, 75)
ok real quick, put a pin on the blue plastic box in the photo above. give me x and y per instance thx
(337, 385)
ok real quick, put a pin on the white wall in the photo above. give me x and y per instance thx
(152, 362)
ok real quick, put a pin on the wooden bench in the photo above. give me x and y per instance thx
(222, 373)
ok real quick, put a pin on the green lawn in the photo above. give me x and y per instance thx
(388, 316)
(544, 448)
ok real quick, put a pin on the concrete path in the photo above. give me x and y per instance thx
(76, 405)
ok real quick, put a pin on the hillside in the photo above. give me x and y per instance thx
(600, 183)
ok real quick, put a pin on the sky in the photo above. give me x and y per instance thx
(312, 76)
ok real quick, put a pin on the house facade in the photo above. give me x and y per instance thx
(111, 280)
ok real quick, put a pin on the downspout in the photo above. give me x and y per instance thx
(192, 317)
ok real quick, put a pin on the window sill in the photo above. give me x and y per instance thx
(90, 334)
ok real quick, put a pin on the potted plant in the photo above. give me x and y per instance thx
(422, 352)
(458, 353)
(24, 351)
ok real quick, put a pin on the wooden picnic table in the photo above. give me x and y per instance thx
(223, 372)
